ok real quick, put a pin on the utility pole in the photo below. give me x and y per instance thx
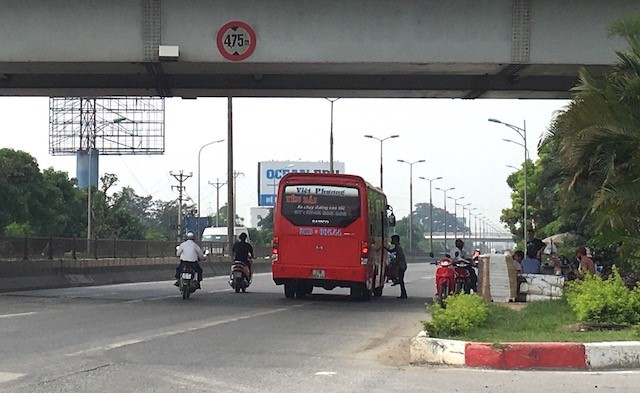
(180, 177)
(218, 185)
(235, 177)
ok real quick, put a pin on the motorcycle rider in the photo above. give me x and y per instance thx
(243, 252)
(189, 252)
(458, 254)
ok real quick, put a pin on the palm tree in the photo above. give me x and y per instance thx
(598, 139)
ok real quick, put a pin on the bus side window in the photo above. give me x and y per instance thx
(371, 230)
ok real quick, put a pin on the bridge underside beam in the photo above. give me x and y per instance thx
(282, 80)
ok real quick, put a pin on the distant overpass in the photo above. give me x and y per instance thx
(329, 48)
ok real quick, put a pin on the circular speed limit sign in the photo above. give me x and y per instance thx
(236, 41)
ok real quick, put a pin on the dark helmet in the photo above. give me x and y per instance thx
(243, 236)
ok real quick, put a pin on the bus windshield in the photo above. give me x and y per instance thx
(320, 205)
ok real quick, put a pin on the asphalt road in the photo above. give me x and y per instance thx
(145, 338)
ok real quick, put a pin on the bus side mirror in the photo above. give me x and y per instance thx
(392, 220)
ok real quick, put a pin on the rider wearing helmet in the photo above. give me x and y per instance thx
(189, 252)
(243, 251)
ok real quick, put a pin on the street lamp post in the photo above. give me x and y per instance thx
(469, 211)
(381, 140)
(411, 199)
(523, 134)
(199, 210)
(464, 231)
(445, 213)
(91, 151)
(455, 215)
(331, 100)
(430, 209)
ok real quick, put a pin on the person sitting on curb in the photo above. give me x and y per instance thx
(586, 263)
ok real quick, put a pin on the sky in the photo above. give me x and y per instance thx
(453, 136)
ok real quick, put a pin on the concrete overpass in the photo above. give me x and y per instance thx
(329, 48)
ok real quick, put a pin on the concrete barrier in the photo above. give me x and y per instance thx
(17, 275)
(44, 274)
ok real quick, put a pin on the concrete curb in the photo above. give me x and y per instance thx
(526, 356)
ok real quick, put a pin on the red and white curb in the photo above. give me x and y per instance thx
(513, 356)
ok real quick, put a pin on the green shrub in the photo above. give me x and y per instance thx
(462, 313)
(604, 301)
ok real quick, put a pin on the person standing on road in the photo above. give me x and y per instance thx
(400, 262)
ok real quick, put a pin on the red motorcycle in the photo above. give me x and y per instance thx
(445, 280)
(462, 278)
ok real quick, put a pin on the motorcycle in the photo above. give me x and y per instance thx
(188, 282)
(445, 280)
(463, 278)
(240, 277)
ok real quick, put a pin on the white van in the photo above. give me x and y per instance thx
(215, 239)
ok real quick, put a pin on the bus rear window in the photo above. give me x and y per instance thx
(321, 206)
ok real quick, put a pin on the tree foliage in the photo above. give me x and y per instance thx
(49, 203)
(587, 178)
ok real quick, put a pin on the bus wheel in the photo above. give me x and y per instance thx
(365, 294)
(301, 291)
(377, 292)
(289, 291)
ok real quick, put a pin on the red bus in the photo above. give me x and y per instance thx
(329, 231)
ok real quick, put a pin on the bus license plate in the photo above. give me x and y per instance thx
(317, 273)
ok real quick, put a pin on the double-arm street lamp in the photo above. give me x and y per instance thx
(430, 209)
(445, 190)
(411, 199)
(523, 134)
(455, 215)
(199, 209)
(381, 140)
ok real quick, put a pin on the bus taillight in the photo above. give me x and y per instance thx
(274, 249)
(364, 253)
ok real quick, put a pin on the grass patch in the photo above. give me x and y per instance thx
(544, 321)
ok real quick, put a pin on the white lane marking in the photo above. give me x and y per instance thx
(169, 333)
(328, 373)
(428, 277)
(5, 377)
(17, 315)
